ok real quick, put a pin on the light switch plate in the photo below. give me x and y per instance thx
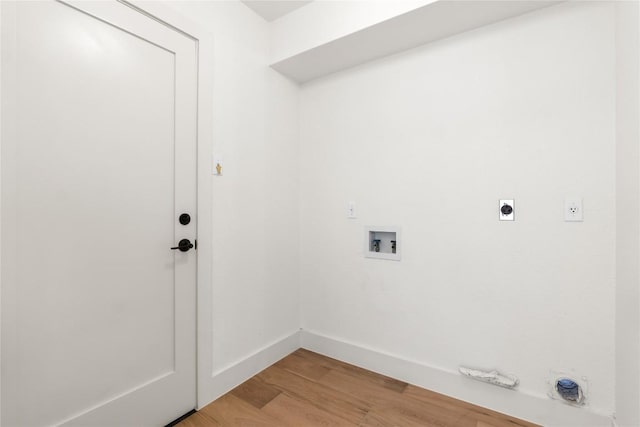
(351, 210)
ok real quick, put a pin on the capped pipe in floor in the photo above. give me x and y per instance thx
(492, 377)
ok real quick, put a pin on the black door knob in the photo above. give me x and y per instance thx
(506, 209)
(183, 245)
(184, 219)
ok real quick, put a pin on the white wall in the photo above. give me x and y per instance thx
(627, 215)
(255, 203)
(321, 22)
(429, 140)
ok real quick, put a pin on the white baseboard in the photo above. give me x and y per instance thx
(228, 378)
(542, 411)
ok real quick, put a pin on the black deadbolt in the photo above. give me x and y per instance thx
(184, 219)
(506, 209)
(183, 245)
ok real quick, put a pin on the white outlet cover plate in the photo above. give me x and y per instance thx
(573, 211)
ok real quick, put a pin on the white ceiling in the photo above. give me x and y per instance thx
(271, 10)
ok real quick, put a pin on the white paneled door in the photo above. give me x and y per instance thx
(98, 164)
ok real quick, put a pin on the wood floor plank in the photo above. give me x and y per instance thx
(428, 396)
(307, 389)
(500, 420)
(373, 377)
(410, 414)
(371, 420)
(359, 387)
(198, 420)
(231, 411)
(394, 407)
(346, 406)
(305, 367)
(441, 400)
(255, 392)
(381, 419)
(493, 424)
(300, 413)
(476, 412)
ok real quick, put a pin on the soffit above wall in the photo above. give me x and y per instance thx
(272, 10)
(431, 22)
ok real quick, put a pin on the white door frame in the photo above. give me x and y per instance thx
(172, 18)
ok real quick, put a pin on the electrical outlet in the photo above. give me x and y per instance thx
(506, 210)
(573, 211)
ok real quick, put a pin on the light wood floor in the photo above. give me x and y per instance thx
(307, 389)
